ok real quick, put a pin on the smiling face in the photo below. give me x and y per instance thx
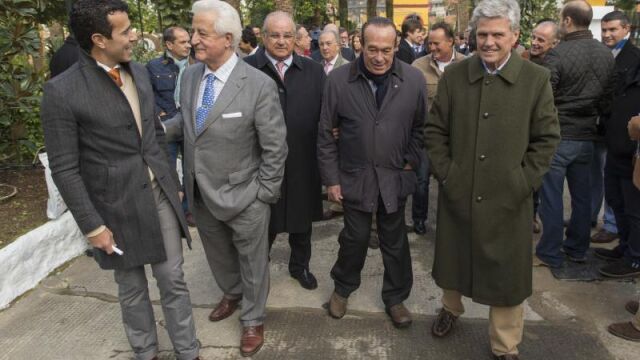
(542, 40)
(379, 46)
(210, 48)
(613, 32)
(495, 40)
(119, 48)
(440, 45)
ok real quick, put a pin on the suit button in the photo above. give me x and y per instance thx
(129, 126)
(479, 199)
(144, 186)
(482, 157)
(377, 123)
(485, 115)
(487, 82)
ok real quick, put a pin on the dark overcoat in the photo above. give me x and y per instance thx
(300, 97)
(490, 139)
(100, 162)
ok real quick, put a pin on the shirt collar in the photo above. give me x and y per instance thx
(333, 61)
(223, 71)
(106, 68)
(497, 70)
(274, 61)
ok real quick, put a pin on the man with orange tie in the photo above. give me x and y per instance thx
(109, 159)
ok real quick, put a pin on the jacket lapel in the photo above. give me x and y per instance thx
(227, 95)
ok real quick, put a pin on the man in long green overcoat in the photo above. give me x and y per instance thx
(490, 136)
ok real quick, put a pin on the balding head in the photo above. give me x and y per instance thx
(575, 15)
(544, 37)
(278, 16)
(331, 27)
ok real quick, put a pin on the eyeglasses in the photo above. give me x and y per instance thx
(276, 36)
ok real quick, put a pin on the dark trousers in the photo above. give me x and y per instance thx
(624, 199)
(420, 204)
(300, 244)
(394, 245)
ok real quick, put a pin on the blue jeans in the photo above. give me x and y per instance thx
(174, 148)
(420, 204)
(573, 161)
(597, 189)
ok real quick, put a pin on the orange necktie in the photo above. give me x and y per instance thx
(115, 75)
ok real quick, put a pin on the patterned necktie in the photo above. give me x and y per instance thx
(207, 103)
(115, 75)
(280, 66)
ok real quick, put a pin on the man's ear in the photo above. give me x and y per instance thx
(98, 40)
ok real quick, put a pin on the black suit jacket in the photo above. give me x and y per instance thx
(405, 52)
(99, 160)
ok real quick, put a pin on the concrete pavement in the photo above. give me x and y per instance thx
(74, 314)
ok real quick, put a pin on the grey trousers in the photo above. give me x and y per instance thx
(238, 253)
(133, 294)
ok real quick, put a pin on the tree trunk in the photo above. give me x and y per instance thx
(371, 8)
(389, 9)
(343, 11)
(284, 5)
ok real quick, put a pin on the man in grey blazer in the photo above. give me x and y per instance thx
(109, 160)
(235, 150)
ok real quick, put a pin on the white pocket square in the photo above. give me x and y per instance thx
(232, 115)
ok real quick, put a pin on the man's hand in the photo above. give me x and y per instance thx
(103, 241)
(336, 133)
(334, 193)
(634, 128)
(407, 167)
(181, 195)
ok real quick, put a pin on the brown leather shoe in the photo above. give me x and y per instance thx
(603, 237)
(632, 306)
(252, 340)
(224, 309)
(625, 330)
(400, 316)
(337, 306)
(508, 357)
(443, 324)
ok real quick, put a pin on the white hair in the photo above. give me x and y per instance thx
(227, 20)
(492, 9)
(335, 35)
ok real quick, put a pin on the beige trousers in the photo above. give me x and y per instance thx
(506, 323)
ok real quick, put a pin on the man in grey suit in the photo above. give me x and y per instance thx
(235, 150)
(109, 160)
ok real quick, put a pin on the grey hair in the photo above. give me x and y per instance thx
(335, 35)
(275, 15)
(227, 20)
(506, 9)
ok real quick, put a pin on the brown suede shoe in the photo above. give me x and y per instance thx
(507, 357)
(625, 330)
(603, 237)
(632, 306)
(443, 324)
(337, 306)
(224, 309)
(400, 316)
(252, 340)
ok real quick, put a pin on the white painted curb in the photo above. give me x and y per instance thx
(31, 257)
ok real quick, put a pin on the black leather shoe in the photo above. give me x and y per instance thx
(621, 269)
(419, 228)
(608, 254)
(306, 279)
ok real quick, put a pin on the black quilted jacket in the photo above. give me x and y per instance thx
(581, 77)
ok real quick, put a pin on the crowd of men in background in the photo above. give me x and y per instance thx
(264, 117)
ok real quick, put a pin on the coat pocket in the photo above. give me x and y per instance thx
(243, 175)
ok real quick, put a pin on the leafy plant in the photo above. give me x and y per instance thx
(20, 82)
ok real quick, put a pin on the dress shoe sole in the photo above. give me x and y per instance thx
(605, 257)
(247, 354)
(620, 276)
